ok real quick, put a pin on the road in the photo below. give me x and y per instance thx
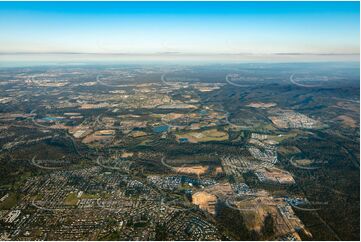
(105, 84)
(300, 85)
(43, 167)
(232, 83)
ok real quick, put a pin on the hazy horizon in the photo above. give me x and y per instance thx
(179, 31)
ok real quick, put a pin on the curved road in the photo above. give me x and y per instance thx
(300, 85)
(43, 167)
(232, 83)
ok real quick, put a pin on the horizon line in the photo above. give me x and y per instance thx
(175, 53)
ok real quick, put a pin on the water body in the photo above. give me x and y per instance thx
(183, 140)
(160, 129)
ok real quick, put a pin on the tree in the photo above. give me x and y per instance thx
(232, 221)
(268, 225)
(160, 232)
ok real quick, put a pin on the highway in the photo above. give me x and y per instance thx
(232, 83)
(43, 167)
(300, 85)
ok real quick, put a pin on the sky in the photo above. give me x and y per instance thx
(222, 30)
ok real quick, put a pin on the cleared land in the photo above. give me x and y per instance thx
(303, 162)
(261, 105)
(275, 175)
(205, 201)
(285, 150)
(136, 134)
(71, 199)
(198, 170)
(100, 135)
(348, 121)
(203, 136)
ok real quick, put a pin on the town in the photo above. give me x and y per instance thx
(144, 153)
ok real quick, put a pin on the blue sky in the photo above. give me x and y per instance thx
(207, 28)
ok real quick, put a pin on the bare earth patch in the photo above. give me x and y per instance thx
(204, 136)
(275, 175)
(285, 150)
(284, 218)
(198, 170)
(346, 120)
(303, 162)
(136, 134)
(221, 190)
(100, 135)
(218, 170)
(205, 201)
(261, 105)
(127, 154)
